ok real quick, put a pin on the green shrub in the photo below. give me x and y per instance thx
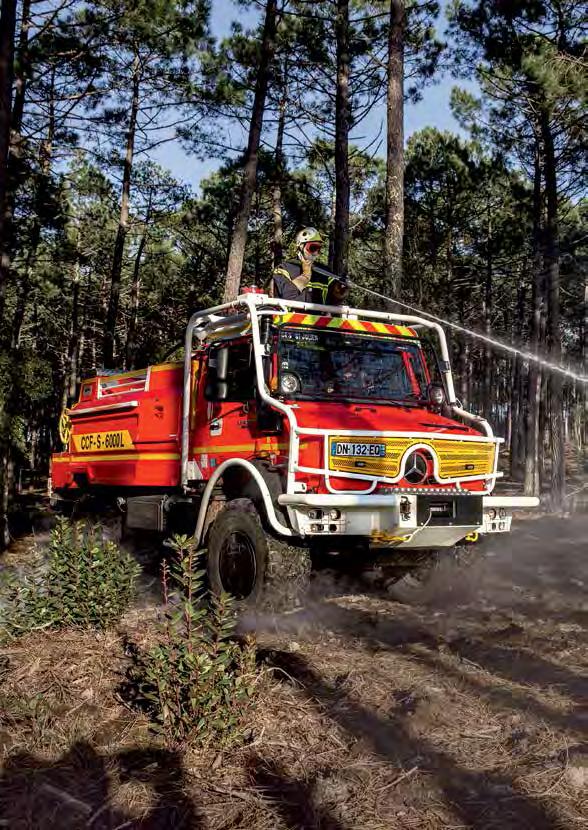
(198, 682)
(84, 581)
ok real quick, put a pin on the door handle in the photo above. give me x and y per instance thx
(216, 427)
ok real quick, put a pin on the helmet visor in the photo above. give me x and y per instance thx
(313, 247)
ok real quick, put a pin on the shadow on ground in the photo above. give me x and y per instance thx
(291, 799)
(75, 791)
(513, 665)
(481, 800)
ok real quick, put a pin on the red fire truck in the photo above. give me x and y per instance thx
(290, 428)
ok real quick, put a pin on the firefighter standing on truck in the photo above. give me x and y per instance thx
(306, 280)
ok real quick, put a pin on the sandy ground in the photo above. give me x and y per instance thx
(465, 707)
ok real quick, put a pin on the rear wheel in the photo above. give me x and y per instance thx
(257, 569)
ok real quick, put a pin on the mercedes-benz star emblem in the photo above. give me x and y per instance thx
(415, 470)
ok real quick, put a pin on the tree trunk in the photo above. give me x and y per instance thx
(512, 438)
(332, 227)
(41, 189)
(10, 119)
(123, 224)
(22, 73)
(257, 249)
(544, 404)
(131, 345)
(278, 241)
(7, 32)
(584, 390)
(532, 478)
(487, 316)
(239, 236)
(71, 361)
(552, 253)
(23, 285)
(342, 127)
(394, 232)
(465, 379)
(516, 391)
(518, 425)
(512, 414)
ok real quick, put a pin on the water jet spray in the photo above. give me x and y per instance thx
(498, 344)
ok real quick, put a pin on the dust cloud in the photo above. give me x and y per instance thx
(539, 570)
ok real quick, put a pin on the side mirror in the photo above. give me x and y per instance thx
(265, 330)
(222, 390)
(222, 363)
(217, 388)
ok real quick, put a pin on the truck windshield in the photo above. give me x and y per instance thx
(315, 363)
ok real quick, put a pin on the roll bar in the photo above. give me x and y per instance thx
(210, 320)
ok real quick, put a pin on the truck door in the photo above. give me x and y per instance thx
(230, 426)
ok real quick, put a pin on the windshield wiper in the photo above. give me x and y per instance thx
(395, 402)
(368, 401)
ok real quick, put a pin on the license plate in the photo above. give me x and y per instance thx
(354, 449)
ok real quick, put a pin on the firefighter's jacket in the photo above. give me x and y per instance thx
(288, 285)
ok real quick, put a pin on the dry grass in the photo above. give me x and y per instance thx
(462, 711)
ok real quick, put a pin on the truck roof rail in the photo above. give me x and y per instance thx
(208, 321)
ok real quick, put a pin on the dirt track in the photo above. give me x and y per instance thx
(464, 709)
(478, 690)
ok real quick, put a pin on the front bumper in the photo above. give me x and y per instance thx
(402, 520)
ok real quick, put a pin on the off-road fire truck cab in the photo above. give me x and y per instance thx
(290, 428)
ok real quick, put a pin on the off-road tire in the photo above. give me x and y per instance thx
(282, 571)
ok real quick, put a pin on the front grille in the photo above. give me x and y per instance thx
(455, 458)
(464, 458)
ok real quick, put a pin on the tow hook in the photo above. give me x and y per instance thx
(405, 508)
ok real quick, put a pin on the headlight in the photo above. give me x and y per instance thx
(289, 384)
(436, 395)
(492, 514)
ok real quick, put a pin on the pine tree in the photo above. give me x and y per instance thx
(7, 32)
(239, 234)
(150, 47)
(526, 58)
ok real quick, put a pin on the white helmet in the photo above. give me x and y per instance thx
(306, 237)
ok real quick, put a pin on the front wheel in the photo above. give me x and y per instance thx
(254, 567)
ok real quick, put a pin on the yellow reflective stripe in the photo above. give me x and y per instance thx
(166, 367)
(221, 448)
(136, 456)
(228, 448)
(365, 326)
(133, 374)
(283, 272)
(320, 286)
